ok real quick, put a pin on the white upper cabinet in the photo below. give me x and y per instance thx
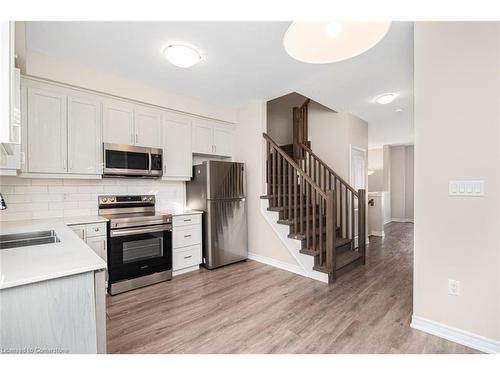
(9, 87)
(46, 128)
(147, 127)
(223, 141)
(84, 136)
(177, 151)
(202, 138)
(118, 122)
(211, 138)
(124, 123)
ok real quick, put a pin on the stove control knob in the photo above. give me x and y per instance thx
(150, 199)
(104, 200)
(144, 199)
(112, 199)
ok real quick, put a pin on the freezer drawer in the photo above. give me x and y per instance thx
(226, 232)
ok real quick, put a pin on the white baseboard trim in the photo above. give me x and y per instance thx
(377, 233)
(387, 221)
(401, 220)
(457, 335)
(185, 270)
(278, 264)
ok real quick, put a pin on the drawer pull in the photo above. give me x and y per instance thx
(189, 256)
(187, 219)
(187, 235)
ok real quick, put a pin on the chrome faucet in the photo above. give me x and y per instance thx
(3, 205)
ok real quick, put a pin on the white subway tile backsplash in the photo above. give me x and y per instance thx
(49, 198)
(63, 205)
(91, 189)
(79, 196)
(17, 198)
(30, 189)
(6, 189)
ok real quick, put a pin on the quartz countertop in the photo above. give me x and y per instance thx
(30, 264)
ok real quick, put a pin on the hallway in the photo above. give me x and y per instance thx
(250, 307)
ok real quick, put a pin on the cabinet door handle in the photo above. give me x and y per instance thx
(131, 139)
(187, 235)
(70, 163)
(136, 138)
(64, 163)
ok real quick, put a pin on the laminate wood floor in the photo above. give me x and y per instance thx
(250, 307)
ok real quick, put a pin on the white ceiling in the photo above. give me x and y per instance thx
(244, 61)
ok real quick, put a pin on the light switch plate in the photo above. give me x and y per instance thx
(453, 287)
(466, 188)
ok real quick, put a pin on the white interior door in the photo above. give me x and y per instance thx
(358, 168)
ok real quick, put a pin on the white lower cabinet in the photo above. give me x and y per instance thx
(186, 243)
(94, 235)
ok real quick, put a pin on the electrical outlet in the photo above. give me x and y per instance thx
(453, 287)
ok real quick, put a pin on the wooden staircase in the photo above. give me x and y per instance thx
(321, 210)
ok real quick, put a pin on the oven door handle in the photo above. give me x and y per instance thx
(150, 229)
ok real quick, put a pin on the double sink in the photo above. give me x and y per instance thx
(8, 241)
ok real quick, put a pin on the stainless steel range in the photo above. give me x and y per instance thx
(139, 242)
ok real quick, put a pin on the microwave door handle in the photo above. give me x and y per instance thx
(149, 169)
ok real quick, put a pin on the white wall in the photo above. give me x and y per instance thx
(332, 132)
(39, 198)
(249, 148)
(457, 122)
(280, 117)
(71, 73)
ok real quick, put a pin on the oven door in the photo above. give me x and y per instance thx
(125, 160)
(139, 251)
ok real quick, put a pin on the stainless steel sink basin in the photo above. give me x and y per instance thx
(8, 241)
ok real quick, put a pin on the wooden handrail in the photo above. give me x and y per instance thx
(295, 165)
(340, 179)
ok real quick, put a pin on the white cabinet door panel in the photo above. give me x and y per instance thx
(47, 146)
(84, 136)
(178, 157)
(147, 127)
(118, 123)
(222, 141)
(202, 139)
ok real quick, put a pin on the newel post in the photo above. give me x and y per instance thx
(331, 232)
(362, 223)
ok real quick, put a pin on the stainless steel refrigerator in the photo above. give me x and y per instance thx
(218, 188)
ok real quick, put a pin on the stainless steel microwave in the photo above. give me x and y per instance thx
(133, 161)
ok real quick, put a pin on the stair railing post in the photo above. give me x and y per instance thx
(331, 232)
(362, 223)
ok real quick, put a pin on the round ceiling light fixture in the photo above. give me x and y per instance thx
(328, 42)
(182, 55)
(385, 98)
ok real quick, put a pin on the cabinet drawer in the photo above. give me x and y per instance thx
(182, 220)
(96, 229)
(186, 257)
(186, 236)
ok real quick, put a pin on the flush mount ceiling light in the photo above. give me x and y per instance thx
(328, 42)
(385, 98)
(181, 55)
